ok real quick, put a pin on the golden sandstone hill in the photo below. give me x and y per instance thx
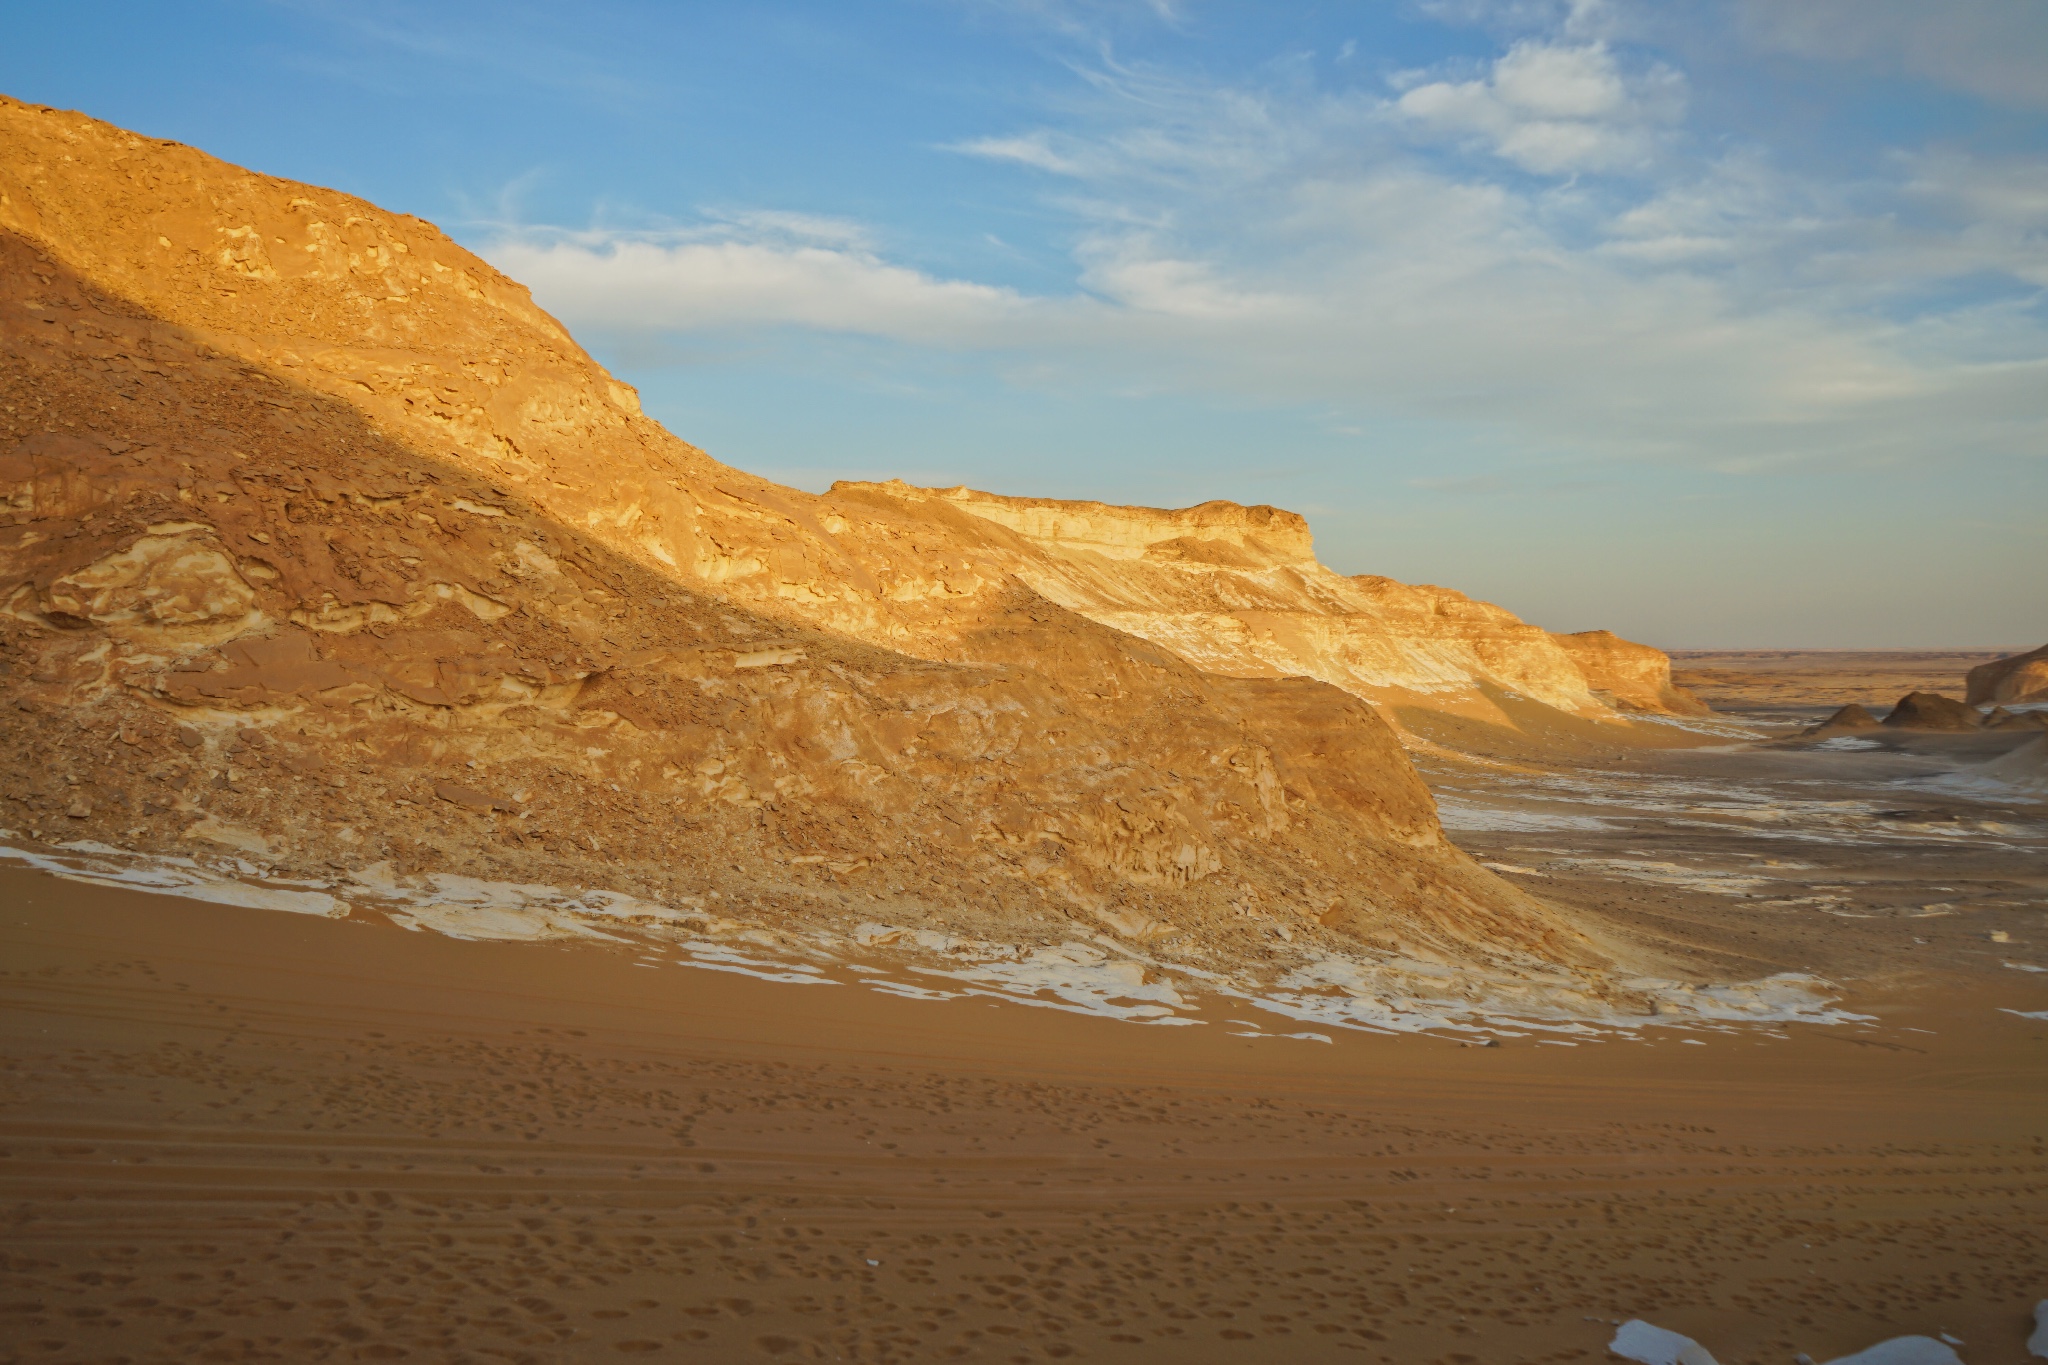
(328, 548)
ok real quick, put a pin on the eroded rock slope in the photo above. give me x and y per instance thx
(326, 548)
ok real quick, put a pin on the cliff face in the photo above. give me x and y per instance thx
(1635, 677)
(326, 548)
(1237, 590)
(2019, 678)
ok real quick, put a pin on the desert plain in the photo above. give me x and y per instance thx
(232, 1133)
(484, 881)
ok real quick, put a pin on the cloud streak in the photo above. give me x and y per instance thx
(1536, 245)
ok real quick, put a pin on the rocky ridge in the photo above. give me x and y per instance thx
(1238, 590)
(327, 549)
(2018, 678)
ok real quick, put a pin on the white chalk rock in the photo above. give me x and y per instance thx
(1652, 1345)
(2037, 1344)
(1903, 1351)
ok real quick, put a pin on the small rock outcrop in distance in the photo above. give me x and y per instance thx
(1932, 711)
(1850, 717)
(2001, 719)
(2016, 678)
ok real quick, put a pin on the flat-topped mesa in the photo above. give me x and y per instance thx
(1215, 532)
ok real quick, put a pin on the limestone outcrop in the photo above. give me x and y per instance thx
(323, 546)
(1237, 590)
(1634, 677)
(2017, 678)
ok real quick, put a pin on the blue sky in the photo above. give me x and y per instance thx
(1715, 322)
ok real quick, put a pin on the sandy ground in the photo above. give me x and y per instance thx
(237, 1134)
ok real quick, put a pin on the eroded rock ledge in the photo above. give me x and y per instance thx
(325, 548)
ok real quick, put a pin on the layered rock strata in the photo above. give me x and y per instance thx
(1238, 590)
(325, 548)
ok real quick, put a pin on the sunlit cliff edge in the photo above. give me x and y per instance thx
(327, 548)
(1238, 590)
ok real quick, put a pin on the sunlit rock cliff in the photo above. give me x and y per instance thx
(325, 547)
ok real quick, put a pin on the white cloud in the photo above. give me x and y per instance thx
(1286, 244)
(1554, 109)
(611, 281)
(1130, 270)
(1028, 149)
(804, 227)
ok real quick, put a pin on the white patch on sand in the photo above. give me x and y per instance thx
(1788, 997)
(907, 990)
(1903, 1351)
(89, 862)
(1625, 800)
(2037, 1344)
(2025, 967)
(711, 958)
(1462, 815)
(1845, 742)
(1640, 1341)
(1674, 874)
(1719, 729)
(470, 908)
(1106, 979)
(2022, 772)
(1078, 977)
(2025, 1014)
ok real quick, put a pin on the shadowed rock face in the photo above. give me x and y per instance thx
(1932, 711)
(326, 546)
(2019, 678)
(1850, 717)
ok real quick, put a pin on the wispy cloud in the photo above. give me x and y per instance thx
(742, 279)
(505, 45)
(1536, 245)
(1025, 149)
